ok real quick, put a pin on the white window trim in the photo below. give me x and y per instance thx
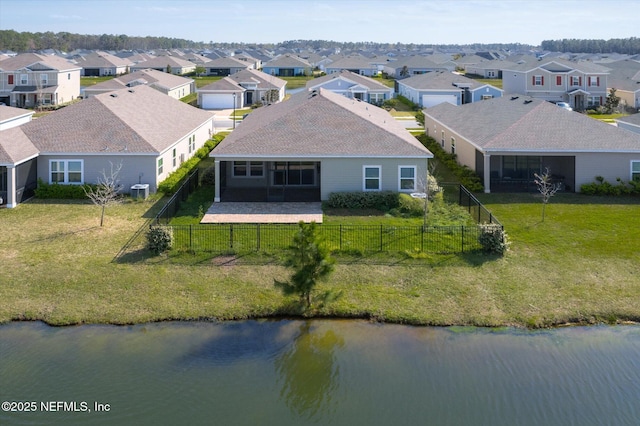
(247, 174)
(400, 178)
(575, 80)
(66, 171)
(364, 178)
(160, 166)
(535, 80)
(631, 172)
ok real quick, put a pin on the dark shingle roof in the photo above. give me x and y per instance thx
(320, 124)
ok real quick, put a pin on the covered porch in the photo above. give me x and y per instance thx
(516, 173)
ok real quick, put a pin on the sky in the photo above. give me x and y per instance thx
(383, 21)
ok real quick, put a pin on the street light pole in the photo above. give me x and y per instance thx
(234, 111)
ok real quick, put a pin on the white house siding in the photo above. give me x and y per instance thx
(346, 174)
(608, 165)
(514, 82)
(180, 92)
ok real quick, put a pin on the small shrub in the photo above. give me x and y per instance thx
(409, 206)
(159, 239)
(493, 239)
(61, 192)
(209, 176)
(602, 187)
(384, 200)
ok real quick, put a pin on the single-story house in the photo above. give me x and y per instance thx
(287, 66)
(630, 122)
(357, 64)
(12, 117)
(409, 66)
(173, 85)
(177, 65)
(97, 64)
(314, 144)
(242, 89)
(489, 69)
(506, 140)
(149, 133)
(433, 88)
(354, 86)
(227, 65)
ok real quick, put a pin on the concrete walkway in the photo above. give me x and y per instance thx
(263, 213)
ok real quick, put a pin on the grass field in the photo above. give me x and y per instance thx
(579, 265)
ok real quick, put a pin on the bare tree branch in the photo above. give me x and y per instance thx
(106, 192)
(546, 187)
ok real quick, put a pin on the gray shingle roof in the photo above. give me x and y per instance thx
(139, 120)
(528, 124)
(439, 80)
(320, 124)
(362, 80)
(25, 60)
(15, 146)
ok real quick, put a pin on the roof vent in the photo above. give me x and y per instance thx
(114, 95)
(513, 98)
(132, 91)
(528, 101)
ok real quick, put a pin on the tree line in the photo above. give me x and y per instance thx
(630, 46)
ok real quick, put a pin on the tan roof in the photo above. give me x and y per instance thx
(26, 60)
(9, 113)
(320, 124)
(139, 120)
(147, 76)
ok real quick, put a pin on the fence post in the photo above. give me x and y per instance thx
(340, 237)
(423, 229)
(462, 238)
(380, 237)
(258, 237)
(230, 236)
(191, 237)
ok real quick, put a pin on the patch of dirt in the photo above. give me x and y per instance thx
(224, 260)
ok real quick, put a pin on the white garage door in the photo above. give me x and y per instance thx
(432, 100)
(216, 101)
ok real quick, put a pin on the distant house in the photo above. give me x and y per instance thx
(488, 69)
(625, 78)
(12, 117)
(353, 86)
(287, 66)
(506, 140)
(228, 65)
(98, 64)
(409, 66)
(313, 144)
(173, 85)
(28, 80)
(581, 84)
(149, 133)
(433, 88)
(242, 89)
(177, 65)
(356, 64)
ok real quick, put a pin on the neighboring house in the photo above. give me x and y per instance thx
(314, 144)
(287, 66)
(415, 65)
(17, 153)
(353, 86)
(228, 65)
(489, 69)
(173, 85)
(98, 64)
(630, 122)
(149, 133)
(29, 80)
(625, 78)
(581, 84)
(506, 140)
(178, 66)
(244, 88)
(357, 64)
(433, 88)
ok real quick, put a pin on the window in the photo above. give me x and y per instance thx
(174, 157)
(69, 76)
(576, 81)
(442, 138)
(538, 80)
(593, 101)
(24, 79)
(193, 142)
(485, 97)
(407, 178)
(594, 81)
(44, 79)
(453, 145)
(635, 171)
(10, 79)
(491, 74)
(160, 166)
(248, 169)
(558, 80)
(371, 178)
(66, 171)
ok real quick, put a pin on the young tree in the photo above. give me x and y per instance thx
(105, 193)
(200, 70)
(546, 187)
(310, 260)
(612, 102)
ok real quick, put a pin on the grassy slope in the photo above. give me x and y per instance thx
(579, 265)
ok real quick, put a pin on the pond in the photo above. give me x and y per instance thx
(337, 372)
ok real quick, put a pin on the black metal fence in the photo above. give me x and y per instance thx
(246, 238)
(172, 206)
(475, 208)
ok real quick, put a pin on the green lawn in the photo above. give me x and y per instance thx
(90, 81)
(579, 265)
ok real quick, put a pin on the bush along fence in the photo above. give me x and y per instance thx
(172, 206)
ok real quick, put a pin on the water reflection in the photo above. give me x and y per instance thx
(308, 372)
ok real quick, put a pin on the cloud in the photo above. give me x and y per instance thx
(67, 17)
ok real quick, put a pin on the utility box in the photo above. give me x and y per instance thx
(140, 191)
